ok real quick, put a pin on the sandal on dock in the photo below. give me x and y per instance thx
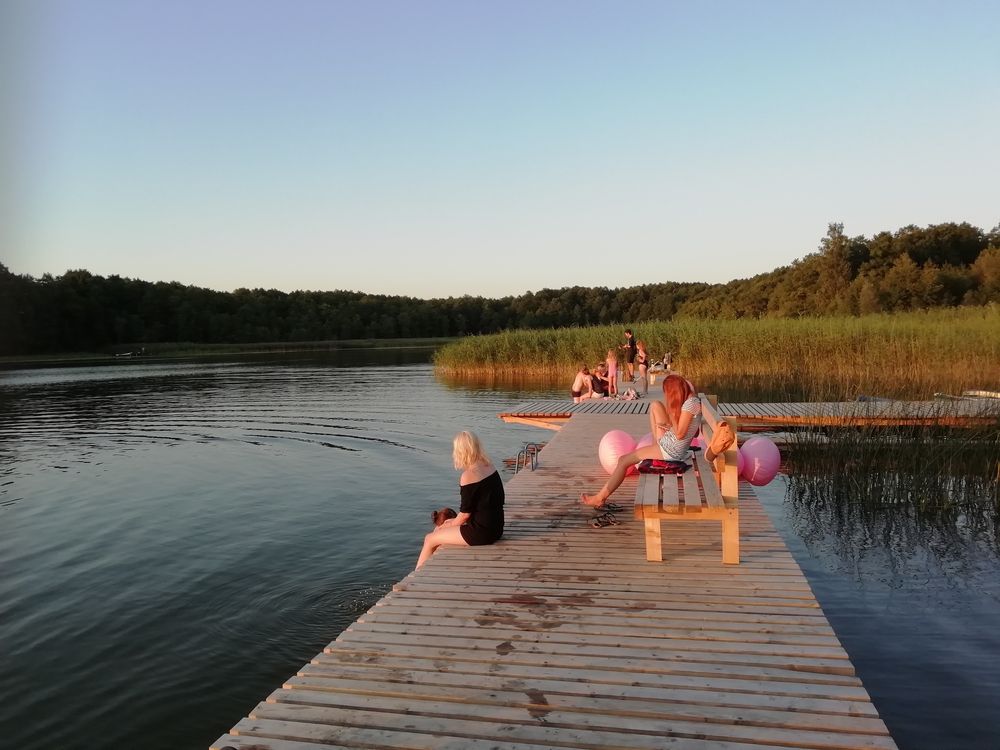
(607, 507)
(603, 520)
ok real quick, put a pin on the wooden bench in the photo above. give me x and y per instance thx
(707, 492)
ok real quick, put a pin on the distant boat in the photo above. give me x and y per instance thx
(966, 395)
(981, 394)
(130, 355)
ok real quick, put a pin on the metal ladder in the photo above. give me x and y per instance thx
(528, 455)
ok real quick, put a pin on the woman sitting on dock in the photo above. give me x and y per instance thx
(480, 516)
(611, 360)
(674, 424)
(599, 382)
(580, 391)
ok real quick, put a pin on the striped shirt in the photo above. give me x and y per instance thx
(674, 448)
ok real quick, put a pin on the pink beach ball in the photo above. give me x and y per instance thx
(761, 460)
(614, 445)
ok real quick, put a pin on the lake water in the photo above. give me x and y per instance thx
(177, 539)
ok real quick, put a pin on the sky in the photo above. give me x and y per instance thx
(435, 149)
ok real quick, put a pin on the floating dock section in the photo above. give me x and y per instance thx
(564, 636)
(965, 412)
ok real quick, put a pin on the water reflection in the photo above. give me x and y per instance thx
(204, 528)
(911, 498)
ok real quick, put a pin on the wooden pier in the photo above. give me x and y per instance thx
(967, 412)
(565, 636)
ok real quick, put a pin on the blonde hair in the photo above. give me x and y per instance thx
(467, 451)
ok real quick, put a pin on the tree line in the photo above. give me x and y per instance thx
(913, 268)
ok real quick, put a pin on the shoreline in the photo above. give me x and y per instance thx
(168, 353)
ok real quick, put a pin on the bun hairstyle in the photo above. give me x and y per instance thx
(676, 390)
(467, 450)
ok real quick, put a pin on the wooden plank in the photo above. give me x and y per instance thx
(647, 494)
(710, 490)
(649, 702)
(433, 718)
(610, 683)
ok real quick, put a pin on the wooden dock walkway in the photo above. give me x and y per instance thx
(552, 413)
(564, 636)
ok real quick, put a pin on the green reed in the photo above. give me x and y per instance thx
(906, 355)
(898, 489)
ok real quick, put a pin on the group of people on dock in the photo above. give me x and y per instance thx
(674, 423)
(601, 380)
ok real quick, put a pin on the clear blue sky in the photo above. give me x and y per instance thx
(445, 148)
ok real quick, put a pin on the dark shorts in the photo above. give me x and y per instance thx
(477, 536)
(576, 394)
(630, 358)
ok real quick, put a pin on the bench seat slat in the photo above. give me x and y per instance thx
(648, 494)
(713, 495)
(671, 495)
(692, 495)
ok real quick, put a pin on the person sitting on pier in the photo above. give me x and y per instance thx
(642, 364)
(674, 424)
(612, 364)
(480, 516)
(581, 385)
(599, 382)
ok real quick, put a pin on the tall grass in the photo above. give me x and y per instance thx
(905, 355)
(899, 490)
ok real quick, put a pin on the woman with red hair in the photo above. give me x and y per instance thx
(673, 424)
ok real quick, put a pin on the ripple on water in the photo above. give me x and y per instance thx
(178, 540)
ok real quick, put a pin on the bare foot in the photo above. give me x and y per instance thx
(591, 500)
(722, 439)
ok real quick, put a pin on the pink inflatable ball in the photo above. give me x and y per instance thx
(761, 460)
(614, 445)
(740, 462)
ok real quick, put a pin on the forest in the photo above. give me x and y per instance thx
(914, 268)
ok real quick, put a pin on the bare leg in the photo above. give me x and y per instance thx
(659, 422)
(440, 535)
(618, 475)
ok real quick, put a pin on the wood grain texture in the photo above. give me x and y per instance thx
(564, 636)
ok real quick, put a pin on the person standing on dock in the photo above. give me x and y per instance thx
(674, 424)
(480, 516)
(642, 363)
(630, 349)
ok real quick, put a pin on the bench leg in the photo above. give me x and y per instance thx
(731, 537)
(654, 544)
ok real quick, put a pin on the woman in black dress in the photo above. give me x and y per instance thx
(480, 516)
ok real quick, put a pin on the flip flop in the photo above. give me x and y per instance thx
(603, 520)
